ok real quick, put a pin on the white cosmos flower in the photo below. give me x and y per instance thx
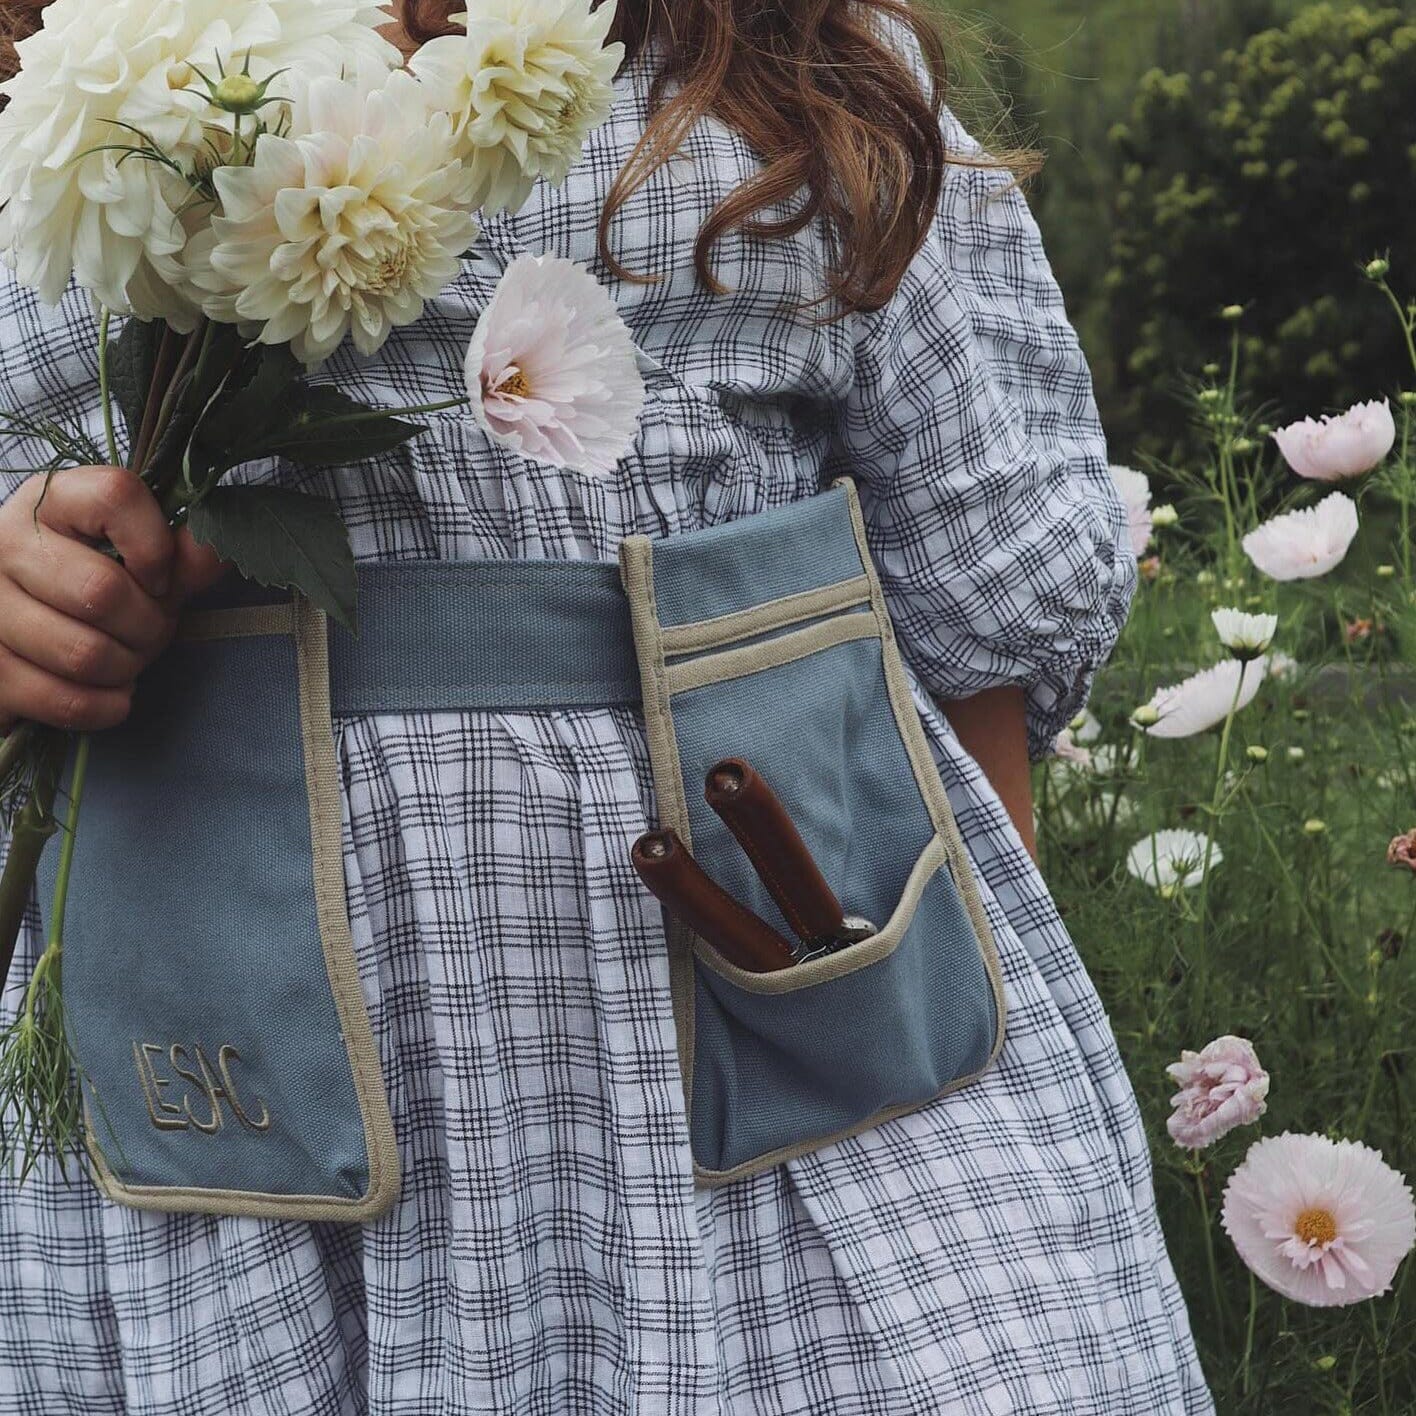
(1171, 860)
(524, 86)
(1245, 636)
(1283, 667)
(551, 369)
(344, 227)
(1135, 491)
(1204, 700)
(1338, 448)
(1322, 1222)
(67, 208)
(1302, 545)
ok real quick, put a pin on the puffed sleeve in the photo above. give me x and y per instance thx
(973, 434)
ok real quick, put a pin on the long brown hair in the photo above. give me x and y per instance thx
(838, 117)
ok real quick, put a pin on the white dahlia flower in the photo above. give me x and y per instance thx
(344, 227)
(67, 206)
(525, 86)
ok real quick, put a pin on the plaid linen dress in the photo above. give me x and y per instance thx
(995, 1252)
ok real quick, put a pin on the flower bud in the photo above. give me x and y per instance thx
(1256, 753)
(1204, 577)
(1145, 716)
(1314, 826)
(1385, 572)
(1325, 1363)
(238, 93)
(1209, 395)
(1212, 371)
(1232, 312)
(1407, 398)
(1296, 754)
(1164, 515)
(1244, 445)
(1378, 269)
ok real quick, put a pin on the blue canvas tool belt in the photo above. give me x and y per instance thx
(213, 998)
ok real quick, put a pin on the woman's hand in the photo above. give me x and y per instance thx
(76, 625)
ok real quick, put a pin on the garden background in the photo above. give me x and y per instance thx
(1220, 174)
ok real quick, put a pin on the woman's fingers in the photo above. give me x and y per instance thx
(31, 693)
(194, 568)
(115, 505)
(63, 646)
(83, 584)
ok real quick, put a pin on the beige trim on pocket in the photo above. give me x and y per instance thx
(843, 962)
(309, 629)
(931, 784)
(715, 633)
(769, 653)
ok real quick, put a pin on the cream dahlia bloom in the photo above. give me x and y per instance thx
(1172, 860)
(1246, 636)
(551, 369)
(1302, 545)
(345, 227)
(1135, 492)
(1203, 700)
(525, 86)
(1221, 1087)
(67, 208)
(1322, 1222)
(1338, 448)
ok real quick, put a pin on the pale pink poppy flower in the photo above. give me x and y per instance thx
(1334, 449)
(1221, 1087)
(1203, 701)
(552, 371)
(1322, 1222)
(1402, 850)
(1135, 492)
(1302, 545)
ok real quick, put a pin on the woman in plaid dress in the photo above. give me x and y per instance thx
(995, 1252)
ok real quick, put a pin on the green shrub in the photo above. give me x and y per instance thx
(1262, 181)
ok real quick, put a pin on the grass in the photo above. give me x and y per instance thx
(1305, 939)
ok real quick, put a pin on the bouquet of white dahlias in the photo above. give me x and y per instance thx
(241, 186)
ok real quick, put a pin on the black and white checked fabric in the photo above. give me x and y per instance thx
(997, 1252)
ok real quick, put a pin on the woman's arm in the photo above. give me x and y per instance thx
(992, 726)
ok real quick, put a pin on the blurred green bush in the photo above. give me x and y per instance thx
(1263, 180)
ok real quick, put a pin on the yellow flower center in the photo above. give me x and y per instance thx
(515, 385)
(1316, 1226)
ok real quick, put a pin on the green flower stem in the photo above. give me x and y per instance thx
(66, 849)
(375, 414)
(110, 438)
(1216, 1293)
(1215, 812)
(1408, 324)
(1249, 1333)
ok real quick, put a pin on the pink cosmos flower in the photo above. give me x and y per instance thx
(1302, 545)
(1322, 1222)
(1402, 850)
(1337, 448)
(1135, 491)
(1203, 701)
(1221, 1087)
(1067, 749)
(551, 369)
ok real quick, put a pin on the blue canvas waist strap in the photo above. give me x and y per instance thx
(485, 634)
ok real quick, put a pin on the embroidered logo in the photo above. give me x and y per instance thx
(200, 1106)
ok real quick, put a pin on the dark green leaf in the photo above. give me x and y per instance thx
(131, 360)
(283, 538)
(328, 428)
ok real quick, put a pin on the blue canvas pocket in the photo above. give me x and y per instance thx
(768, 639)
(212, 996)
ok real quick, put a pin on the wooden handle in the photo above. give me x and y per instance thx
(679, 883)
(752, 811)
